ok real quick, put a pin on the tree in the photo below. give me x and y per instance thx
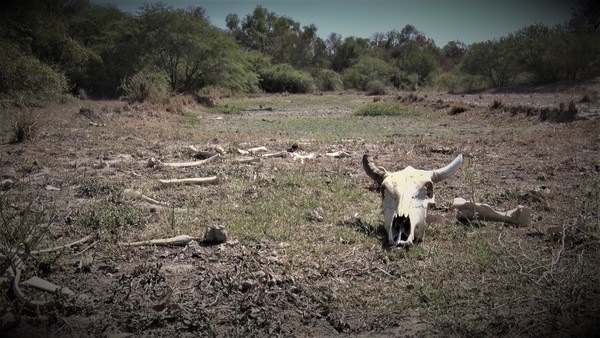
(192, 53)
(497, 60)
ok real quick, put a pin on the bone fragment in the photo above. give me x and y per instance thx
(132, 194)
(190, 164)
(193, 180)
(480, 211)
(338, 154)
(248, 159)
(177, 240)
(277, 154)
(42, 284)
(310, 156)
(252, 150)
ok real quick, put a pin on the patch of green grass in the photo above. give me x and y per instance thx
(226, 109)
(110, 217)
(384, 109)
(95, 188)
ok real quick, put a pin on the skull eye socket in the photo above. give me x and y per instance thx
(429, 189)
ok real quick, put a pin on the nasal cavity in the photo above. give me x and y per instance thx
(401, 225)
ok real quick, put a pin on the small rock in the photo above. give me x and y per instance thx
(215, 234)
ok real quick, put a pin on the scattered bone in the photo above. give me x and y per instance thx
(192, 180)
(480, 211)
(254, 150)
(301, 157)
(277, 154)
(52, 188)
(190, 164)
(6, 184)
(339, 154)
(42, 284)
(215, 234)
(131, 194)
(248, 159)
(174, 241)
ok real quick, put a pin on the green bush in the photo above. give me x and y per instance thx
(376, 87)
(384, 109)
(366, 70)
(328, 80)
(146, 85)
(25, 75)
(284, 78)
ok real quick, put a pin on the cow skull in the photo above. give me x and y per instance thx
(406, 196)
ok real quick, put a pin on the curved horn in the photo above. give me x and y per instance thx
(447, 171)
(372, 171)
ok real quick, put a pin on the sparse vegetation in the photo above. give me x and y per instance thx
(457, 108)
(383, 108)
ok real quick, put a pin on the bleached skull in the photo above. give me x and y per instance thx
(407, 195)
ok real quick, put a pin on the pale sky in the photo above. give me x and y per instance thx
(442, 20)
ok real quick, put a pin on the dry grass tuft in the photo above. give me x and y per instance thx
(457, 108)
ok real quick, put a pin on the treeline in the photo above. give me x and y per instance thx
(56, 46)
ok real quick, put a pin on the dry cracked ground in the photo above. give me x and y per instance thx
(304, 253)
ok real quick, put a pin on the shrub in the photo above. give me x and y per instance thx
(383, 109)
(562, 114)
(284, 78)
(146, 85)
(25, 75)
(366, 70)
(376, 87)
(457, 108)
(496, 104)
(328, 80)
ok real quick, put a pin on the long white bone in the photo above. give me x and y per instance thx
(480, 211)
